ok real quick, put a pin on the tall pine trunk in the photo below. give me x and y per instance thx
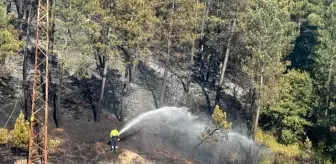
(163, 87)
(166, 62)
(191, 63)
(58, 96)
(124, 90)
(130, 67)
(328, 83)
(102, 89)
(224, 64)
(25, 84)
(257, 112)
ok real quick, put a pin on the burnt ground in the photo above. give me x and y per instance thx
(87, 142)
(82, 140)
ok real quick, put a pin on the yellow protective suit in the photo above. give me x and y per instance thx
(114, 133)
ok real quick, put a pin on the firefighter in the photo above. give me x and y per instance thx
(115, 138)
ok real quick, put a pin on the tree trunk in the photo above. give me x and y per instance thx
(165, 74)
(18, 5)
(328, 83)
(102, 89)
(19, 8)
(88, 94)
(9, 6)
(191, 63)
(124, 90)
(114, 102)
(227, 54)
(201, 46)
(3, 60)
(256, 119)
(209, 59)
(328, 88)
(163, 87)
(58, 97)
(25, 85)
(123, 102)
(205, 15)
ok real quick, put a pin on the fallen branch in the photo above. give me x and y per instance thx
(3, 83)
(209, 134)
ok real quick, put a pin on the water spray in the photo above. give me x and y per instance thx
(179, 130)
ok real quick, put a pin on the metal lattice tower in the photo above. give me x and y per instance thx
(38, 131)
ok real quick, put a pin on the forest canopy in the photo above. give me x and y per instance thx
(281, 53)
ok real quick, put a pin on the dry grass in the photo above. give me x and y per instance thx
(20, 161)
(100, 148)
(128, 157)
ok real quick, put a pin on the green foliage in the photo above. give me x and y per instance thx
(291, 153)
(178, 22)
(220, 118)
(54, 144)
(20, 133)
(293, 102)
(267, 32)
(135, 21)
(288, 151)
(9, 43)
(219, 131)
(4, 136)
(289, 106)
(323, 71)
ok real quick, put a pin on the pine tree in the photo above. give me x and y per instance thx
(289, 106)
(324, 72)
(220, 129)
(4, 135)
(267, 33)
(9, 43)
(177, 30)
(20, 132)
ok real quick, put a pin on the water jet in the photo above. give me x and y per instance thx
(178, 129)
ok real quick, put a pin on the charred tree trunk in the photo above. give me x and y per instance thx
(103, 60)
(123, 101)
(129, 59)
(19, 4)
(25, 86)
(8, 6)
(57, 92)
(102, 89)
(88, 94)
(209, 60)
(163, 87)
(58, 96)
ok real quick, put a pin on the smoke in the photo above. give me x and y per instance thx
(179, 130)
